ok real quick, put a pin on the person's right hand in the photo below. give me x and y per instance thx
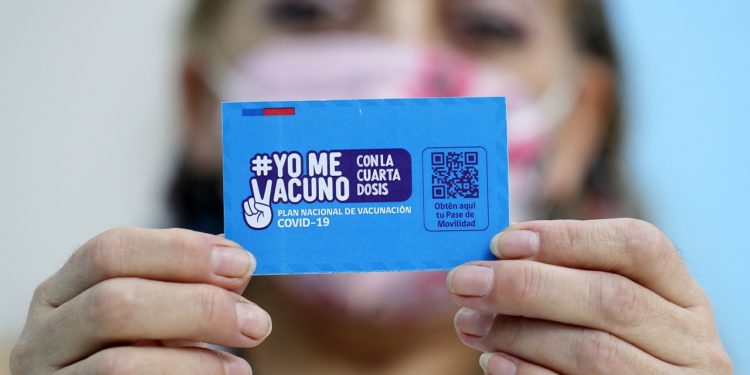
(136, 301)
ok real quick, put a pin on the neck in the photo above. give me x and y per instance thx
(308, 341)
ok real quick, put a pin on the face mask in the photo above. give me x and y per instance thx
(354, 66)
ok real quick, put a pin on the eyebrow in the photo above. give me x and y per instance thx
(519, 8)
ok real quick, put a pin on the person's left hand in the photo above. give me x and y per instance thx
(586, 297)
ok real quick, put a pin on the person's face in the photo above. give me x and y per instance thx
(529, 39)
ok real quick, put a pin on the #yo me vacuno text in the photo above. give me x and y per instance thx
(345, 176)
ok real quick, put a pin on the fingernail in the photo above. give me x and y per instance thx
(483, 359)
(470, 280)
(515, 243)
(232, 262)
(495, 364)
(473, 323)
(235, 365)
(252, 321)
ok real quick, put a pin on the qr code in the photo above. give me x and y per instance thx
(455, 175)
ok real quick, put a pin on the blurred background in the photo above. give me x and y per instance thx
(88, 133)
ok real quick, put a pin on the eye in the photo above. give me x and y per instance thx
(488, 25)
(305, 15)
(295, 13)
(485, 29)
(490, 29)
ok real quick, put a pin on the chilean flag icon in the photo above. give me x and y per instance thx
(253, 112)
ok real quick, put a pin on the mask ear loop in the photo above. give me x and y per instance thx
(214, 72)
(217, 72)
(555, 103)
(549, 110)
(559, 101)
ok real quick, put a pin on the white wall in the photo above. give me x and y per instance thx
(86, 89)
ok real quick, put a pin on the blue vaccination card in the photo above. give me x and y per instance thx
(365, 185)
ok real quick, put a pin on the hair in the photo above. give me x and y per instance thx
(201, 22)
(592, 36)
(603, 193)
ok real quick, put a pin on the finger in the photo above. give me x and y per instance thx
(258, 208)
(504, 364)
(263, 202)
(241, 289)
(558, 347)
(632, 248)
(593, 299)
(250, 203)
(159, 360)
(263, 208)
(130, 310)
(173, 343)
(169, 255)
